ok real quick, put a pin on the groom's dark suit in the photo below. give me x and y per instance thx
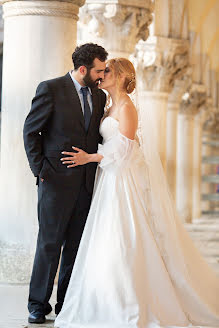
(56, 123)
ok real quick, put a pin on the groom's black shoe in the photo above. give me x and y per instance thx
(47, 309)
(36, 317)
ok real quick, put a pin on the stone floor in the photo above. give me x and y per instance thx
(13, 309)
(205, 234)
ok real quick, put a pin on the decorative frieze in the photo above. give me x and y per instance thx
(68, 9)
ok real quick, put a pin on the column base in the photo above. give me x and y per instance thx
(15, 264)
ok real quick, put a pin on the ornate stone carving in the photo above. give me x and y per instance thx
(180, 87)
(118, 26)
(79, 3)
(211, 125)
(160, 61)
(67, 9)
(207, 109)
(194, 100)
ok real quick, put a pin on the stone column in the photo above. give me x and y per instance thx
(39, 38)
(197, 144)
(160, 61)
(116, 26)
(1, 58)
(1, 27)
(206, 172)
(185, 151)
(174, 100)
(209, 160)
(197, 158)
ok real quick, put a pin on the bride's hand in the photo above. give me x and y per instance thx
(75, 159)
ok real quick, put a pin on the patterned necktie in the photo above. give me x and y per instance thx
(87, 111)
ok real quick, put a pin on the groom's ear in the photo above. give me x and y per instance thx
(83, 70)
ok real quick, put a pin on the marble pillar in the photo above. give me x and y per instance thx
(209, 165)
(197, 156)
(39, 38)
(117, 25)
(174, 100)
(185, 167)
(153, 107)
(159, 62)
(171, 142)
(189, 108)
(197, 144)
(206, 171)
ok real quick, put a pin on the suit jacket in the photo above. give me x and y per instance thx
(56, 123)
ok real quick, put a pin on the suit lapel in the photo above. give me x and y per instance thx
(75, 103)
(95, 102)
(73, 98)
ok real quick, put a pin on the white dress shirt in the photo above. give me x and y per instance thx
(80, 95)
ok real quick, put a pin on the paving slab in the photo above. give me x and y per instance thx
(13, 308)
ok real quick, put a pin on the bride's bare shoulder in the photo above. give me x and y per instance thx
(128, 111)
(128, 120)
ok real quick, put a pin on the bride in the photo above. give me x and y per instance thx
(136, 266)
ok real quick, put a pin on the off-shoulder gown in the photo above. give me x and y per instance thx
(135, 270)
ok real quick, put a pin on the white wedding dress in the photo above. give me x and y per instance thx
(134, 268)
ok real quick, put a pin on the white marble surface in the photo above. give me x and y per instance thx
(36, 48)
(184, 175)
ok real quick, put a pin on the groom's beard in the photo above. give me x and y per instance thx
(89, 82)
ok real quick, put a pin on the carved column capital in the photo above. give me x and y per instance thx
(118, 26)
(211, 125)
(180, 86)
(207, 110)
(60, 8)
(194, 100)
(160, 61)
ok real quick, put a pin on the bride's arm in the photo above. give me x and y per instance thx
(114, 150)
(80, 158)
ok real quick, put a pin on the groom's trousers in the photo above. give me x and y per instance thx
(62, 214)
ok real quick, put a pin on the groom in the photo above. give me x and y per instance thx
(65, 112)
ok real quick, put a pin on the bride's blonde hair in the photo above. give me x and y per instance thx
(122, 67)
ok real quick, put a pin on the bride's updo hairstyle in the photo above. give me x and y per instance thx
(123, 67)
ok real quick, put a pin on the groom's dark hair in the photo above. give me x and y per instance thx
(86, 53)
